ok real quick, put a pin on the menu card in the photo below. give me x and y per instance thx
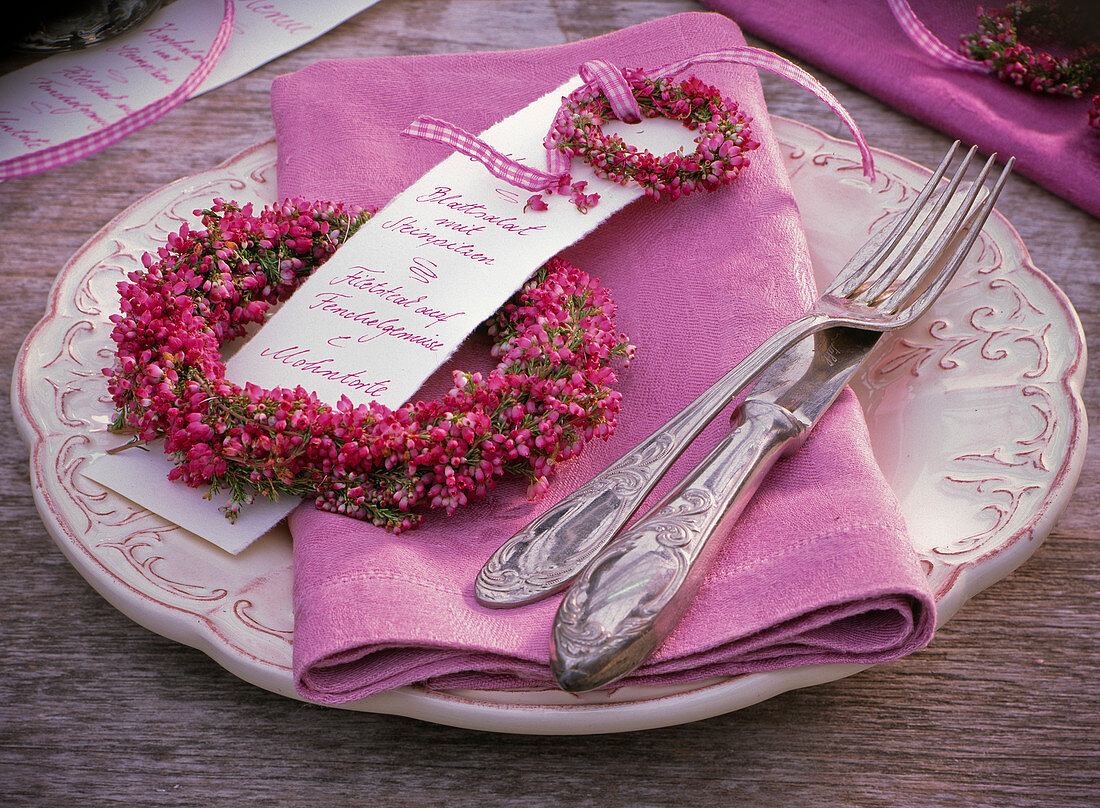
(266, 29)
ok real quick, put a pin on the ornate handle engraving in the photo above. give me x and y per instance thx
(547, 554)
(636, 590)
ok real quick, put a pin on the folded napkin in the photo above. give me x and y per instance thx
(818, 570)
(866, 46)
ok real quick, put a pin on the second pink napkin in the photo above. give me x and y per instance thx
(866, 46)
(819, 569)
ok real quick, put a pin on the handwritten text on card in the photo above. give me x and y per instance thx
(399, 297)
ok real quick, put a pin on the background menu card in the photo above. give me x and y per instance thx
(70, 95)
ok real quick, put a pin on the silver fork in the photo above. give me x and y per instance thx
(868, 293)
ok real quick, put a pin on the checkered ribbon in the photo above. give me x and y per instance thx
(499, 165)
(927, 41)
(608, 79)
(602, 77)
(77, 148)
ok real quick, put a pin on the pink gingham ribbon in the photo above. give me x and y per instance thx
(927, 41)
(609, 80)
(78, 148)
(463, 142)
(603, 77)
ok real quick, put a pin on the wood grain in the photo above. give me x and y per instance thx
(1001, 710)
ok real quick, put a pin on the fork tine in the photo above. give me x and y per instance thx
(961, 223)
(972, 228)
(905, 259)
(871, 255)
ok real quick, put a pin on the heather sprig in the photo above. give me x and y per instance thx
(549, 393)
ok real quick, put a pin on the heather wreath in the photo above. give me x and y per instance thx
(550, 392)
(722, 146)
(999, 43)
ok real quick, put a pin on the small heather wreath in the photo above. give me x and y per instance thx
(548, 395)
(724, 140)
(999, 43)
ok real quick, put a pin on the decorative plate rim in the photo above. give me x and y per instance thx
(624, 710)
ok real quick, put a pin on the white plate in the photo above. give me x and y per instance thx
(975, 415)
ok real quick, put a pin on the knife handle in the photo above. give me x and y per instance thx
(547, 554)
(631, 596)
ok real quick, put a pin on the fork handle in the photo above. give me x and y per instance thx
(547, 554)
(628, 600)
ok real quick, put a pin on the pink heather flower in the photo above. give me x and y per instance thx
(581, 200)
(536, 202)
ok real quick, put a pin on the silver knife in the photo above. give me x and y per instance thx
(634, 592)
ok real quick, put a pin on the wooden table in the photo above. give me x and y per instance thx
(1001, 710)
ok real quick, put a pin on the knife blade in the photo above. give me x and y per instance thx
(634, 592)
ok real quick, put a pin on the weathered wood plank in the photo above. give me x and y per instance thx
(1001, 710)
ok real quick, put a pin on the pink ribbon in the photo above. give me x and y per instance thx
(78, 148)
(928, 42)
(507, 169)
(773, 63)
(603, 77)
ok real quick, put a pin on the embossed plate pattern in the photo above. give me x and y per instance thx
(994, 373)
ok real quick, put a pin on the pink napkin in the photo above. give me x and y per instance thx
(818, 570)
(864, 45)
